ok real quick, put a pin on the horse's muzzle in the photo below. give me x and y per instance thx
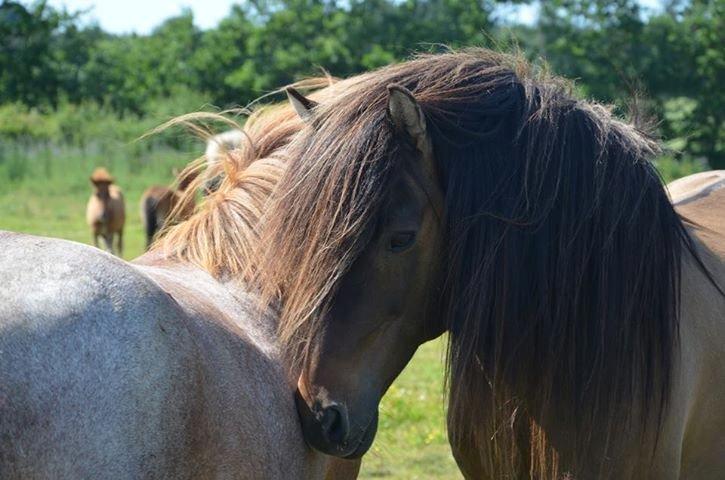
(328, 429)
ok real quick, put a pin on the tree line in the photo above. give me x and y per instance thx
(673, 57)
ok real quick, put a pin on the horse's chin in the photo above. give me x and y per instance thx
(353, 447)
(365, 441)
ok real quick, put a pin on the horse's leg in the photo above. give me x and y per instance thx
(120, 243)
(108, 240)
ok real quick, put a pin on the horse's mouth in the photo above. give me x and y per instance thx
(356, 442)
(365, 440)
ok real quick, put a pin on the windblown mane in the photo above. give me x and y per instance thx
(222, 235)
(563, 250)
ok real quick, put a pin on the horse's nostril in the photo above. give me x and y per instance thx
(335, 425)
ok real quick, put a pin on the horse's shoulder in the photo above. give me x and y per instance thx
(63, 302)
(94, 201)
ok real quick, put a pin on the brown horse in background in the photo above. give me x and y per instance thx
(159, 204)
(106, 211)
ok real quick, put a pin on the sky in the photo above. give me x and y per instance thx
(141, 16)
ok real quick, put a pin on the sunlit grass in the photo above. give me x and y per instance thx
(51, 200)
(411, 441)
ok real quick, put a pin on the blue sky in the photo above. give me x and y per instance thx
(141, 16)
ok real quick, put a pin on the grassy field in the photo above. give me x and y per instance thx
(47, 193)
(411, 442)
(44, 192)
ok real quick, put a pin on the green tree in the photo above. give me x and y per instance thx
(675, 58)
(27, 69)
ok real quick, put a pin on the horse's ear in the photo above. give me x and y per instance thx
(302, 105)
(407, 117)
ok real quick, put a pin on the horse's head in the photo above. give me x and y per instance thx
(101, 180)
(381, 310)
(493, 204)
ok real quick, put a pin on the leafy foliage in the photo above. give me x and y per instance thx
(673, 57)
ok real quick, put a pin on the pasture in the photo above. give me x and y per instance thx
(44, 190)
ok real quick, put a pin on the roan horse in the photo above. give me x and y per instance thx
(160, 204)
(152, 369)
(470, 193)
(106, 211)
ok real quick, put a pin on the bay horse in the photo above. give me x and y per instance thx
(474, 194)
(160, 204)
(153, 368)
(106, 211)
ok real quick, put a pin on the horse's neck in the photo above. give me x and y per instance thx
(103, 194)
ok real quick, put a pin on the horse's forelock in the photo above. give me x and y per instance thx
(341, 169)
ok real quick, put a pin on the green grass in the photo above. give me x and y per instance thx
(411, 442)
(47, 191)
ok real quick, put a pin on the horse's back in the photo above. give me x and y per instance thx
(700, 200)
(92, 380)
(115, 370)
(686, 188)
(159, 196)
(250, 421)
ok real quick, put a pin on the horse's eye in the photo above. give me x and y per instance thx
(400, 241)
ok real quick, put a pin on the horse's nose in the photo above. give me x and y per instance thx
(334, 424)
(325, 428)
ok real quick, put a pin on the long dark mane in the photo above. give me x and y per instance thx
(563, 250)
